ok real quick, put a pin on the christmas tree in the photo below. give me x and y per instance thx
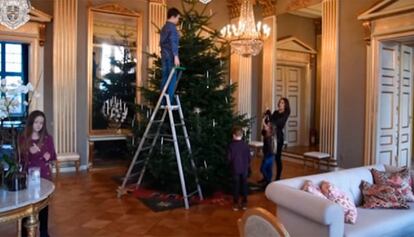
(207, 102)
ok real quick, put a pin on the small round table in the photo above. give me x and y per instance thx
(26, 203)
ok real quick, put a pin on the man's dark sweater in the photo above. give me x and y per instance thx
(238, 155)
(169, 39)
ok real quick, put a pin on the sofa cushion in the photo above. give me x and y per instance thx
(400, 180)
(312, 188)
(393, 169)
(382, 196)
(339, 197)
(382, 223)
(346, 180)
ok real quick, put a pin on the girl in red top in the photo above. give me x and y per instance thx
(37, 150)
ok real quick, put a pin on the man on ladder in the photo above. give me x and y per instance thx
(169, 48)
(169, 41)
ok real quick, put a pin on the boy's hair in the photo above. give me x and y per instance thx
(237, 131)
(173, 12)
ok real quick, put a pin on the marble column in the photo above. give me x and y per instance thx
(65, 75)
(157, 17)
(269, 66)
(329, 78)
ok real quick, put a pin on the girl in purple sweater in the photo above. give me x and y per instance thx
(37, 150)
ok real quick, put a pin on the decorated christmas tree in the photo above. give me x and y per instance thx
(207, 102)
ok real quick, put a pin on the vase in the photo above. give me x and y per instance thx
(16, 182)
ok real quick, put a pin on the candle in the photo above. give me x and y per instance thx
(207, 74)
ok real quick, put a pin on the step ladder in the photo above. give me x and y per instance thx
(149, 141)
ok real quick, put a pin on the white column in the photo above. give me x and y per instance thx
(64, 75)
(269, 66)
(157, 18)
(245, 86)
(329, 79)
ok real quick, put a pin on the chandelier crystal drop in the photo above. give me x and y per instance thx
(14, 13)
(247, 37)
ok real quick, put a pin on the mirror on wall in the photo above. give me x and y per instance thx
(113, 71)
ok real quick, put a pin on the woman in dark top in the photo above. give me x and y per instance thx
(279, 118)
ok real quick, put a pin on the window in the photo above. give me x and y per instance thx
(14, 67)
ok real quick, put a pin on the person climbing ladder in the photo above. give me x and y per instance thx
(169, 41)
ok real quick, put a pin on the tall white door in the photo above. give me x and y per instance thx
(288, 84)
(405, 107)
(395, 102)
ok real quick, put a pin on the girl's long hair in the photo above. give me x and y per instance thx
(287, 105)
(27, 133)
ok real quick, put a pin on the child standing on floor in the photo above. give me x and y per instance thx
(268, 149)
(238, 155)
(37, 150)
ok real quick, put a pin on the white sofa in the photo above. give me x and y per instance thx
(304, 214)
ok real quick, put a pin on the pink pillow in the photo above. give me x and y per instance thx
(339, 197)
(400, 180)
(382, 196)
(310, 187)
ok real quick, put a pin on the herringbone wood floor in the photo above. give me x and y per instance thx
(85, 205)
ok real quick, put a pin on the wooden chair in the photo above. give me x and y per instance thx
(257, 222)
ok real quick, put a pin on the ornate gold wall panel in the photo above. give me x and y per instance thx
(329, 80)
(64, 75)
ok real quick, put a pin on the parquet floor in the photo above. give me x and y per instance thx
(86, 205)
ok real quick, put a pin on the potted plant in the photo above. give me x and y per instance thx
(14, 179)
(10, 94)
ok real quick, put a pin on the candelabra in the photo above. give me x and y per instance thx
(115, 111)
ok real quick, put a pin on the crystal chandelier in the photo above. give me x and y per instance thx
(247, 38)
(14, 13)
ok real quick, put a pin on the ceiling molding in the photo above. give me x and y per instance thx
(268, 7)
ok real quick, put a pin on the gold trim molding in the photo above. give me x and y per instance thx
(113, 8)
(268, 7)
